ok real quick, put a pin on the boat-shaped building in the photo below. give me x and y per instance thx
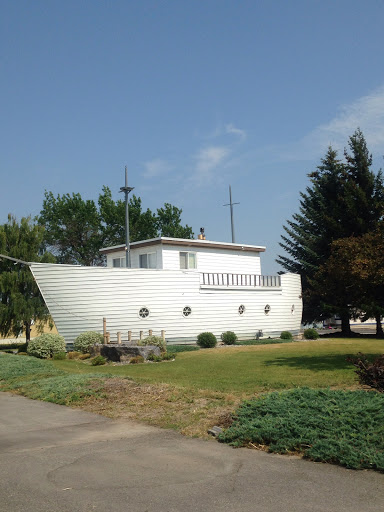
(183, 287)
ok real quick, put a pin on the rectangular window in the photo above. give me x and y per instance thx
(148, 260)
(188, 260)
(118, 262)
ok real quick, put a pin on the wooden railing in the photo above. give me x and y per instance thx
(223, 279)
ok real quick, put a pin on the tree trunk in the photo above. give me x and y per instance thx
(379, 327)
(27, 332)
(345, 326)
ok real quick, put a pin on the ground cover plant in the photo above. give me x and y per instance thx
(341, 427)
(174, 349)
(40, 379)
(263, 341)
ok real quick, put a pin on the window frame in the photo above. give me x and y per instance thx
(188, 255)
(148, 254)
(121, 262)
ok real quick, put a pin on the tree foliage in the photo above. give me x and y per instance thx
(354, 274)
(72, 228)
(20, 300)
(344, 199)
(76, 229)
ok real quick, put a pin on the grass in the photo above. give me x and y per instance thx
(341, 427)
(248, 370)
(201, 388)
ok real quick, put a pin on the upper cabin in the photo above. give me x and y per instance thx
(183, 254)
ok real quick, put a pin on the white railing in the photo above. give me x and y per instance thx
(224, 279)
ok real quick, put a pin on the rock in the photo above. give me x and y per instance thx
(124, 352)
(215, 431)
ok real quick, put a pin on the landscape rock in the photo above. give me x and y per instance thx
(123, 352)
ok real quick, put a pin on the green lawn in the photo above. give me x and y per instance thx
(204, 387)
(246, 370)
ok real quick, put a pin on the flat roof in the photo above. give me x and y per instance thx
(185, 242)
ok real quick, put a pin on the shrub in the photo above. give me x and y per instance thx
(60, 356)
(154, 358)
(137, 360)
(46, 345)
(173, 349)
(286, 335)
(229, 338)
(168, 357)
(370, 373)
(98, 361)
(73, 354)
(84, 356)
(155, 341)
(206, 340)
(9, 346)
(86, 340)
(311, 334)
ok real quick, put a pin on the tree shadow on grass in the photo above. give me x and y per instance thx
(316, 363)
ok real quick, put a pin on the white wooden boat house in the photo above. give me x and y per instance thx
(181, 286)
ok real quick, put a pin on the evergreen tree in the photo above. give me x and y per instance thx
(20, 300)
(344, 199)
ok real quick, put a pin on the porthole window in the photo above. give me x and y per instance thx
(292, 309)
(267, 309)
(187, 311)
(241, 309)
(144, 313)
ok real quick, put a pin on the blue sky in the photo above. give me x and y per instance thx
(192, 96)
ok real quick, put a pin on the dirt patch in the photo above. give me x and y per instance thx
(191, 412)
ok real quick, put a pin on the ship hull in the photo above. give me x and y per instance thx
(78, 299)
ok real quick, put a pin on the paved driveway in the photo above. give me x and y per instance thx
(56, 459)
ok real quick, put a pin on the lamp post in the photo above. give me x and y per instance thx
(126, 191)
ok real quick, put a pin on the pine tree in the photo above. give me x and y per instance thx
(20, 300)
(344, 200)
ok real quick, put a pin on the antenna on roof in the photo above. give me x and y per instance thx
(126, 191)
(230, 204)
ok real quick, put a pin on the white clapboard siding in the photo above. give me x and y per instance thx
(79, 297)
(215, 260)
(208, 259)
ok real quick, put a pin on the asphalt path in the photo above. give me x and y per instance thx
(54, 459)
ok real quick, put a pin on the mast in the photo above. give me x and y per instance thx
(231, 204)
(126, 191)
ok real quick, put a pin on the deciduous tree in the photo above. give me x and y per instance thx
(76, 229)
